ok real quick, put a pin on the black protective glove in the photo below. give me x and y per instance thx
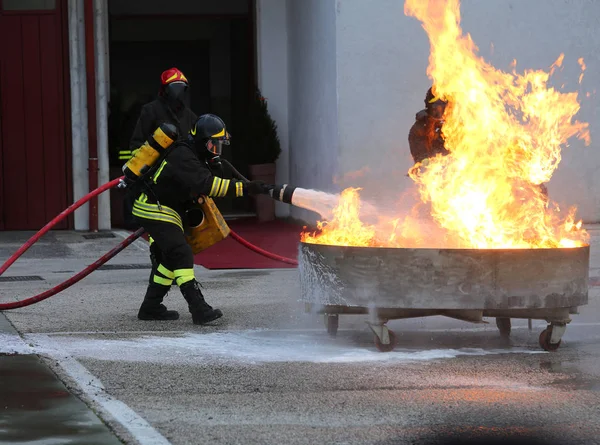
(254, 188)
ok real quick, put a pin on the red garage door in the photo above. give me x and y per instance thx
(33, 125)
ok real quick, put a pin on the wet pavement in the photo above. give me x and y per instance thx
(269, 374)
(37, 408)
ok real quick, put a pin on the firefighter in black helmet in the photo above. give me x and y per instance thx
(425, 137)
(184, 177)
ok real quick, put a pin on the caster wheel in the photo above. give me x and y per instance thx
(503, 326)
(545, 340)
(386, 348)
(332, 323)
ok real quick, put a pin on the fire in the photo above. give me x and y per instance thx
(345, 228)
(504, 132)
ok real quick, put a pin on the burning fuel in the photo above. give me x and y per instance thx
(504, 132)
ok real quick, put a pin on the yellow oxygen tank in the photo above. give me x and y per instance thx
(207, 225)
(144, 157)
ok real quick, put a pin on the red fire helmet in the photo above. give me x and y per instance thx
(172, 75)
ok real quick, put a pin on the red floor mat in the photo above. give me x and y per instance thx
(278, 237)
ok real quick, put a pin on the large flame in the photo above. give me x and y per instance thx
(504, 132)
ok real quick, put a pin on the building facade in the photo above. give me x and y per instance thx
(343, 80)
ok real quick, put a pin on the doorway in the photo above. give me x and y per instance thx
(34, 144)
(214, 52)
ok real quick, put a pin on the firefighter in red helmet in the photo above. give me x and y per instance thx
(186, 175)
(172, 106)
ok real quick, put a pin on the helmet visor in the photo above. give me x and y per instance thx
(216, 145)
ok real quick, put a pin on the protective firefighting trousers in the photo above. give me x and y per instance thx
(175, 260)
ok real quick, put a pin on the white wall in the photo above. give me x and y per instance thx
(272, 76)
(313, 99)
(382, 58)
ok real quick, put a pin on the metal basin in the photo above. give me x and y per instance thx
(444, 278)
(466, 284)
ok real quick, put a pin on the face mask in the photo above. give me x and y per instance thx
(177, 95)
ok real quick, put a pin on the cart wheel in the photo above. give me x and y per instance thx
(503, 326)
(390, 346)
(331, 323)
(545, 340)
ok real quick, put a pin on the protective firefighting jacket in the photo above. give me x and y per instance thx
(152, 115)
(425, 137)
(175, 186)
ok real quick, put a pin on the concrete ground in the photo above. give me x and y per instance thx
(269, 374)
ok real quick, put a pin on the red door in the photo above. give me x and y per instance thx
(33, 125)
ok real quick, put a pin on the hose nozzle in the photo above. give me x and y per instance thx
(283, 193)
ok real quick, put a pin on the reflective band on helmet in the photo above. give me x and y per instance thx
(182, 276)
(219, 134)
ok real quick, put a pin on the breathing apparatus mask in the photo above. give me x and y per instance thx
(177, 95)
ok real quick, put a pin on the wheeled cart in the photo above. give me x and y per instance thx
(465, 284)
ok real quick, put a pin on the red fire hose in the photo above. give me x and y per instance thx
(75, 278)
(262, 252)
(96, 264)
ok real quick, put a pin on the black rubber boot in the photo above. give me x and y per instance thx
(152, 307)
(201, 311)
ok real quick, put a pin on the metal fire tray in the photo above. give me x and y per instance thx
(467, 284)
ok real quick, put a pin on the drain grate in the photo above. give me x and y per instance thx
(22, 278)
(99, 235)
(124, 266)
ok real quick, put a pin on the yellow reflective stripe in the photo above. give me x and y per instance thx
(157, 214)
(150, 240)
(156, 217)
(183, 276)
(151, 211)
(239, 189)
(154, 208)
(163, 281)
(165, 272)
(224, 187)
(219, 134)
(159, 171)
(142, 198)
(215, 186)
